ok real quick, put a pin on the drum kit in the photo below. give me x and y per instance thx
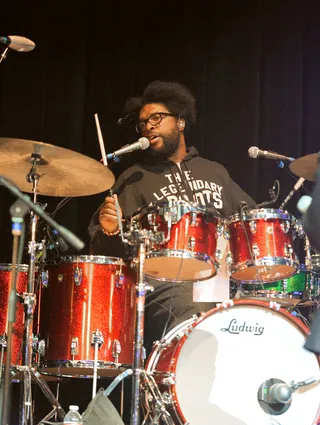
(241, 363)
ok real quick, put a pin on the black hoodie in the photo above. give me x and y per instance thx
(195, 179)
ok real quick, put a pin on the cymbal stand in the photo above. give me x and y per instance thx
(17, 211)
(29, 300)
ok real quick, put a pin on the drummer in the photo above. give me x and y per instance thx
(168, 170)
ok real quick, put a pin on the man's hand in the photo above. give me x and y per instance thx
(108, 215)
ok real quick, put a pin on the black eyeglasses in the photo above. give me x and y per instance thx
(154, 119)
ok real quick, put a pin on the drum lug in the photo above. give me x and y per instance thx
(3, 340)
(285, 226)
(253, 227)
(220, 229)
(288, 250)
(255, 250)
(151, 217)
(169, 380)
(229, 261)
(77, 275)
(74, 349)
(116, 350)
(39, 345)
(193, 219)
(45, 278)
(192, 242)
(218, 254)
(119, 279)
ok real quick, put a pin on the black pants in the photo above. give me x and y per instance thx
(167, 306)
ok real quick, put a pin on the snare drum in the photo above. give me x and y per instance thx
(18, 327)
(184, 241)
(88, 306)
(216, 369)
(261, 245)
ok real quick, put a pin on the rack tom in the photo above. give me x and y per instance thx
(261, 246)
(183, 241)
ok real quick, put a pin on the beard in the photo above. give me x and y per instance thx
(170, 144)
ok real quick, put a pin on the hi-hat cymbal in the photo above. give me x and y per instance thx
(306, 166)
(63, 172)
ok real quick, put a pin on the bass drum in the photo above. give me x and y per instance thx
(217, 369)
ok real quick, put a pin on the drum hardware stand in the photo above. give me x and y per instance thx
(97, 340)
(20, 207)
(141, 238)
(159, 407)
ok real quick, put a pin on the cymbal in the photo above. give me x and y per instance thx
(62, 172)
(306, 166)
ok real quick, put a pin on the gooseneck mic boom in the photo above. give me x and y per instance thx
(17, 43)
(255, 152)
(143, 143)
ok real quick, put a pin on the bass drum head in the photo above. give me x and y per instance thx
(222, 362)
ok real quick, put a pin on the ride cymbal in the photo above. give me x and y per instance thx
(306, 166)
(62, 172)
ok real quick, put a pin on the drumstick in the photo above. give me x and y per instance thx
(101, 142)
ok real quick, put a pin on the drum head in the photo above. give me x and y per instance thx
(230, 353)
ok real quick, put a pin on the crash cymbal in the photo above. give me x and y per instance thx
(63, 172)
(306, 166)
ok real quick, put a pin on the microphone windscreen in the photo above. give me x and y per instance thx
(253, 152)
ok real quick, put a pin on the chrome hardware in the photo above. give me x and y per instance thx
(219, 229)
(116, 348)
(193, 219)
(3, 340)
(253, 227)
(169, 380)
(255, 250)
(119, 279)
(151, 219)
(226, 234)
(285, 226)
(270, 230)
(97, 338)
(192, 242)
(74, 349)
(288, 251)
(229, 261)
(167, 398)
(218, 254)
(60, 277)
(45, 278)
(77, 275)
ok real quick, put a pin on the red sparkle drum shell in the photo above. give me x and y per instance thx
(18, 327)
(87, 297)
(188, 251)
(209, 369)
(261, 245)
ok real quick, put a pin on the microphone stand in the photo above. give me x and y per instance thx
(18, 210)
(4, 54)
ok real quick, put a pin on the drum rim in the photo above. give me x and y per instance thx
(8, 267)
(261, 213)
(95, 259)
(191, 206)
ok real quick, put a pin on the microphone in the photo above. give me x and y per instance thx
(255, 152)
(17, 43)
(58, 242)
(143, 143)
(293, 191)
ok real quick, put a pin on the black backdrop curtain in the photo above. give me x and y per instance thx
(254, 67)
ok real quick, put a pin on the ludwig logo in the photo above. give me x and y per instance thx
(235, 328)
